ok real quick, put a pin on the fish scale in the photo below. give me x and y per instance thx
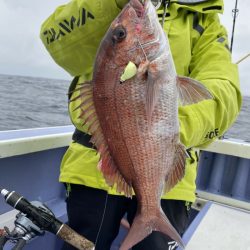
(134, 122)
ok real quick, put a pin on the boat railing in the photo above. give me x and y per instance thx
(224, 174)
(224, 166)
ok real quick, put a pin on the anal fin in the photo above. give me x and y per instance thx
(178, 171)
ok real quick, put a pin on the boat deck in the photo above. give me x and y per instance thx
(219, 227)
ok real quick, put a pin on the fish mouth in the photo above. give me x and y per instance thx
(138, 6)
(150, 14)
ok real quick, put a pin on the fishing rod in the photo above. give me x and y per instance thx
(243, 58)
(35, 218)
(235, 12)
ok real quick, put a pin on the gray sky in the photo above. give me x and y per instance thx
(22, 53)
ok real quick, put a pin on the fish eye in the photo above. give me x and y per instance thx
(119, 34)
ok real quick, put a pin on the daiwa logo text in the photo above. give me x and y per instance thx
(67, 26)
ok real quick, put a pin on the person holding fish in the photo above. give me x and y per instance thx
(149, 86)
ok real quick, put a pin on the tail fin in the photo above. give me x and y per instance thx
(143, 225)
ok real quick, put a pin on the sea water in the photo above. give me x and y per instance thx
(33, 102)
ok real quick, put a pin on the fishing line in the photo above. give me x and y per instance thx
(103, 215)
(142, 49)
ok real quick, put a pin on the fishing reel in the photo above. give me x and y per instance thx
(25, 229)
(33, 219)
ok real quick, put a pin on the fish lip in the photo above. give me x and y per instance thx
(138, 7)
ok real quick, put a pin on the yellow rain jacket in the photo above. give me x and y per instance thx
(200, 50)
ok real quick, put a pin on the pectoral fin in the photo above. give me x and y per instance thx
(191, 91)
(153, 82)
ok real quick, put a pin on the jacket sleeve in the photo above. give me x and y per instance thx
(211, 64)
(73, 32)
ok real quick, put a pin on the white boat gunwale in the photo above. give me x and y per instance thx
(62, 136)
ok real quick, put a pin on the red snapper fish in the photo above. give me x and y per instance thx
(134, 120)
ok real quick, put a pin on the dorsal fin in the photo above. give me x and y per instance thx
(90, 119)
